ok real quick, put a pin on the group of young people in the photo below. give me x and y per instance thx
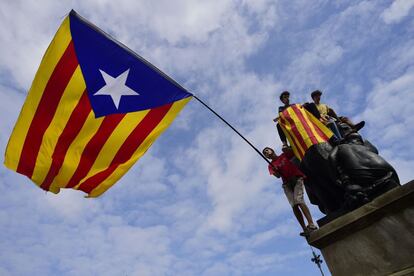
(286, 166)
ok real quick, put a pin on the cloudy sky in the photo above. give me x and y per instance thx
(201, 202)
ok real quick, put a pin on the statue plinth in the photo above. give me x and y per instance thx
(375, 239)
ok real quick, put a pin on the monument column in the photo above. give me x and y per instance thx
(375, 239)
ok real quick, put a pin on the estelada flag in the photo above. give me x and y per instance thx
(302, 129)
(94, 108)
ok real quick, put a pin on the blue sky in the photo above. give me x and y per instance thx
(201, 202)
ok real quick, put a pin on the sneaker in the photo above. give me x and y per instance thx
(359, 125)
(305, 233)
(311, 227)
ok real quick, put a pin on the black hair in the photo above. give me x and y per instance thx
(316, 92)
(263, 151)
(283, 94)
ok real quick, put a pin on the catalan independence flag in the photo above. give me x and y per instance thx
(94, 108)
(302, 129)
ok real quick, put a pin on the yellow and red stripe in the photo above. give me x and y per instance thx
(58, 143)
(302, 129)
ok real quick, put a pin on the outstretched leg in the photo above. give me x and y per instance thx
(307, 213)
(356, 127)
(299, 216)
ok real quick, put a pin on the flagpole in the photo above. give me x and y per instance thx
(235, 130)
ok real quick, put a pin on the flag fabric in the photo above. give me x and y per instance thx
(302, 129)
(94, 108)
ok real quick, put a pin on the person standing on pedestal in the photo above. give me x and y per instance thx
(292, 177)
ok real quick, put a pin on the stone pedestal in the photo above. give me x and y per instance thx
(375, 239)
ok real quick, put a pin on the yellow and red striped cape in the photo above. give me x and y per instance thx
(302, 129)
(58, 143)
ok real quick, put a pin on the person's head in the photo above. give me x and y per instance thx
(269, 153)
(316, 96)
(284, 97)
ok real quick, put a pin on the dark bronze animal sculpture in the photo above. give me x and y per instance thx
(343, 174)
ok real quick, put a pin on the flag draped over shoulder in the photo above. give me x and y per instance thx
(302, 129)
(94, 108)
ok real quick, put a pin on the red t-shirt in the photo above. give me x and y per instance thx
(285, 167)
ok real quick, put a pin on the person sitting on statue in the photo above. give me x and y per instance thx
(284, 98)
(292, 177)
(329, 117)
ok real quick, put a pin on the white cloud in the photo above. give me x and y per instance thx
(398, 10)
(181, 21)
(381, 109)
(329, 45)
(29, 30)
(203, 202)
(388, 114)
(287, 229)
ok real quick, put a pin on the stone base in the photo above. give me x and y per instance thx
(375, 239)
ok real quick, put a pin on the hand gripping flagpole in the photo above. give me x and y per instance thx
(235, 130)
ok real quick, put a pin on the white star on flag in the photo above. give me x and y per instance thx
(115, 87)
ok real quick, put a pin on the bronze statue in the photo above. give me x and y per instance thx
(342, 174)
